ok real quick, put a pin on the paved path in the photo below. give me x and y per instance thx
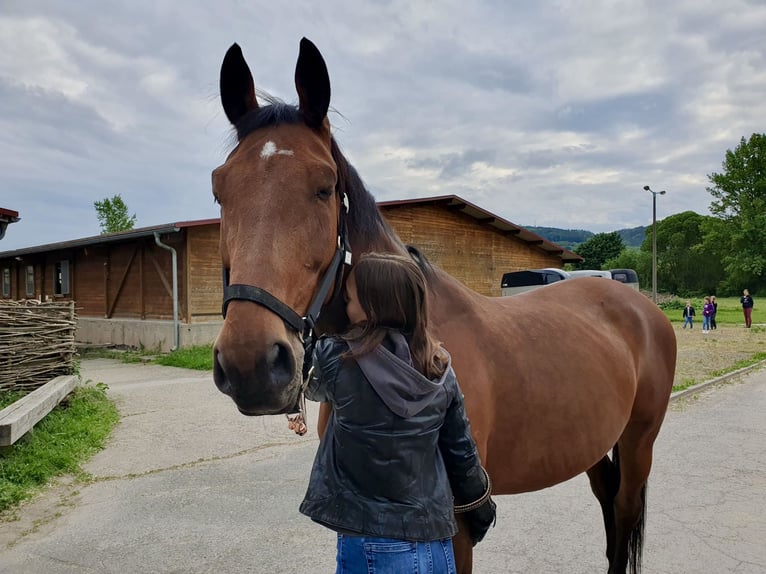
(188, 485)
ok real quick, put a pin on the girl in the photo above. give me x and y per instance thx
(707, 312)
(398, 444)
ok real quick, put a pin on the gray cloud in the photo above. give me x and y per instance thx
(545, 114)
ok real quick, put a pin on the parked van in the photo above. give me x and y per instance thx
(520, 281)
(627, 276)
(590, 273)
(529, 279)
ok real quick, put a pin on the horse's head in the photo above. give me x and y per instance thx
(280, 218)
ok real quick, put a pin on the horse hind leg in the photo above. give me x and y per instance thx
(635, 461)
(604, 482)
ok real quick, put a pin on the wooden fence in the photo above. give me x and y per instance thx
(36, 342)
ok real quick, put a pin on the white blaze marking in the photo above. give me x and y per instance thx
(270, 149)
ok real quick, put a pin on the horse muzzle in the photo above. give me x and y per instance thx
(259, 383)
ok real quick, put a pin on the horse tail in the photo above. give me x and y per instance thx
(636, 540)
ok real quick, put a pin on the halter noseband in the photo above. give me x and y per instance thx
(304, 326)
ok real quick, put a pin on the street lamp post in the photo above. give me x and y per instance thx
(654, 239)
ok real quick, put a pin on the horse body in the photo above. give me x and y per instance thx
(553, 379)
(550, 389)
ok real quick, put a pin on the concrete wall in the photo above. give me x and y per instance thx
(149, 334)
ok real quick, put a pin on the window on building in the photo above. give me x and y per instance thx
(61, 278)
(6, 283)
(30, 280)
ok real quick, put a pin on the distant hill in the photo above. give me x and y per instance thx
(571, 238)
(634, 236)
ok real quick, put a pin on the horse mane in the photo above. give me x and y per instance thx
(425, 265)
(363, 210)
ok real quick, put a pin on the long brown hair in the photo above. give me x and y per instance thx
(392, 292)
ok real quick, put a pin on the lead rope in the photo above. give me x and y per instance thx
(298, 423)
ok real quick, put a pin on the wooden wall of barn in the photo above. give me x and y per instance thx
(131, 280)
(128, 279)
(475, 254)
(204, 273)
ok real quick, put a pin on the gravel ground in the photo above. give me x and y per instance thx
(701, 355)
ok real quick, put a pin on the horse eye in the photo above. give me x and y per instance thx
(324, 194)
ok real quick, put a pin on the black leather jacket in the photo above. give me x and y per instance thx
(379, 473)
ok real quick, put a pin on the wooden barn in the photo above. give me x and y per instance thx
(470, 243)
(160, 287)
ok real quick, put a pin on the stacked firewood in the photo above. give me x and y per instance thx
(36, 342)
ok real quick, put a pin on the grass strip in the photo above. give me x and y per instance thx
(756, 358)
(77, 428)
(199, 358)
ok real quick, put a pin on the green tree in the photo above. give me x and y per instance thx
(636, 259)
(739, 193)
(684, 265)
(599, 248)
(113, 215)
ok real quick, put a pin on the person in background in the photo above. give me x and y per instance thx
(689, 315)
(707, 312)
(713, 325)
(397, 451)
(747, 307)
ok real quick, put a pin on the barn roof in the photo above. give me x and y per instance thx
(108, 237)
(7, 216)
(453, 202)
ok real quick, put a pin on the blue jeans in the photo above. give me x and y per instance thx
(705, 323)
(369, 555)
(689, 321)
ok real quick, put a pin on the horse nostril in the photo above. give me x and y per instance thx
(281, 364)
(219, 373)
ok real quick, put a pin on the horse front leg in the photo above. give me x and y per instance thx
(463, 548)
(325, 410)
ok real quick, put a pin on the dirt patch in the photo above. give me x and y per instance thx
(701, 355)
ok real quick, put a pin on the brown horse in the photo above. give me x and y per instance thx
(553, 379)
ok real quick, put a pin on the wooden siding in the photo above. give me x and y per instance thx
(130, 279)
(133, 278)
(204, 270)
(475, 254)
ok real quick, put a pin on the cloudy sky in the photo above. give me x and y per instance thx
(545, 113)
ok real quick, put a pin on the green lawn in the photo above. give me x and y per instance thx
(199, 358)
(57, 445)
(729, 311)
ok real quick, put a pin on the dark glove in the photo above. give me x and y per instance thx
(480, 520)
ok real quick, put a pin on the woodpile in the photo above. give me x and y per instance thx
(36, 342)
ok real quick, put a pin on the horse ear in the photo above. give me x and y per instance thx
(313, 84)
(237, 87)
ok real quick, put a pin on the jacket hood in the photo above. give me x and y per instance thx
(391, 374)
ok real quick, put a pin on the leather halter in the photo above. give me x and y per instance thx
(304, 326)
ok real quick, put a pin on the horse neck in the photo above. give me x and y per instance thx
(447, 293)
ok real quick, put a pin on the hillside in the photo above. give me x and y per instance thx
(571, 238)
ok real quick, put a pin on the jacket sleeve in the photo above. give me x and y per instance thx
(326, 360)
(459, 452)
(466, 476)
